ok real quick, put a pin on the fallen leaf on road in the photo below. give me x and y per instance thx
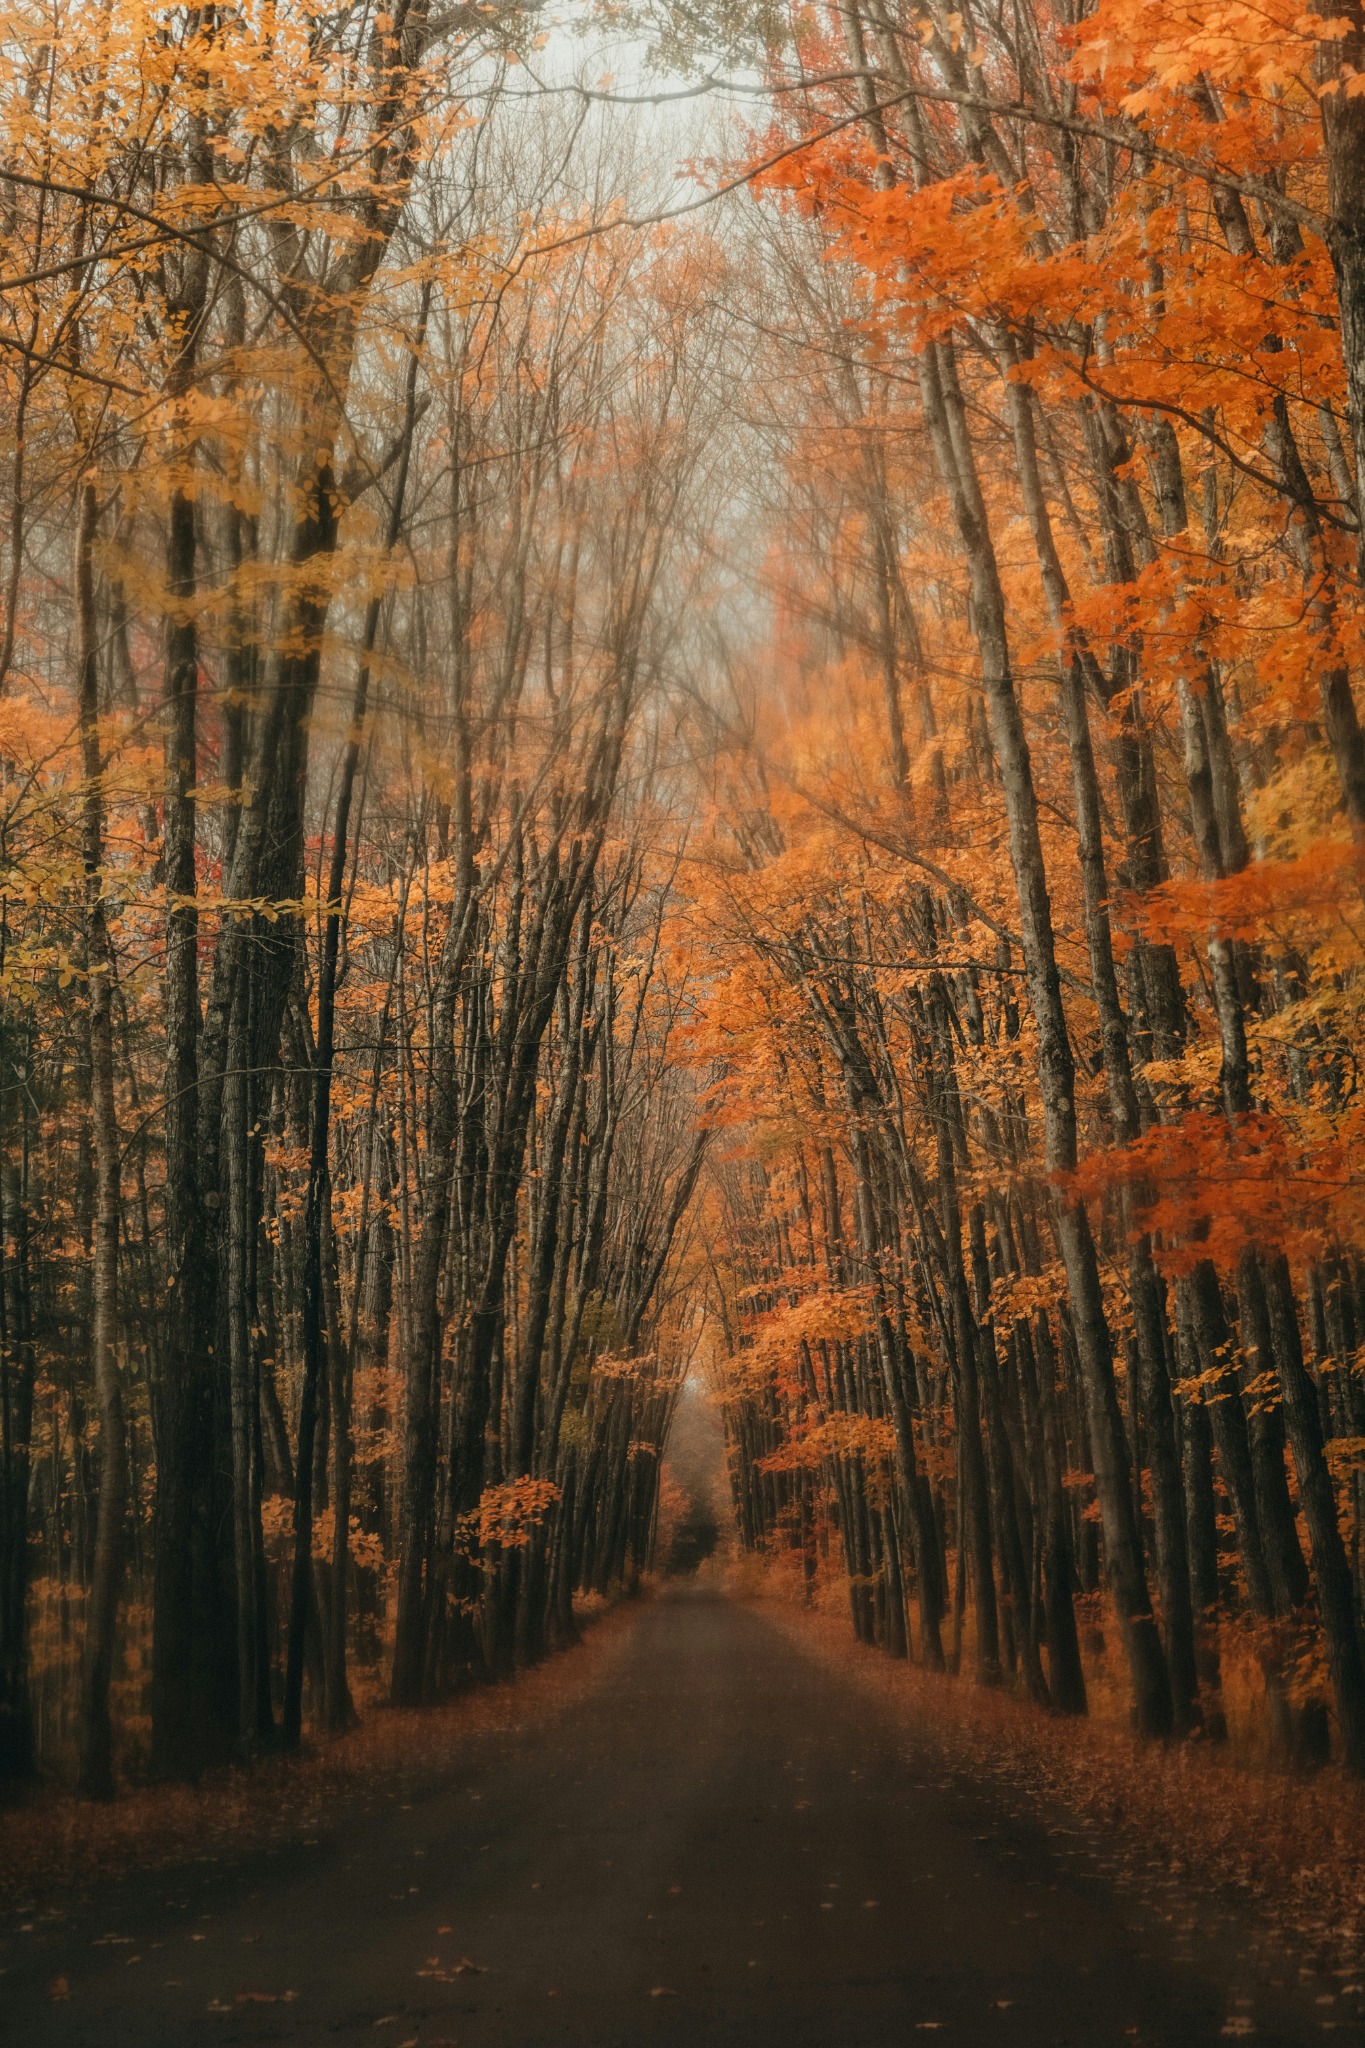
(59, 1989)
(662, 1991)
(461, 1969)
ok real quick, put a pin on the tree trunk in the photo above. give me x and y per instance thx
(96, 1777)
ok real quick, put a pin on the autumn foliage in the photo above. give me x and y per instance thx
(1037, 866)
(345, 1179)
(579, 792)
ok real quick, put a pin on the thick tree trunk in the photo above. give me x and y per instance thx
(1331, 1571)
(193, 1689)
(17, 1380)
(316, 1220)
(96, 1778)
(1341, 61)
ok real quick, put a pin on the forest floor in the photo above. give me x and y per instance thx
(55, 1843)
(715, 1824)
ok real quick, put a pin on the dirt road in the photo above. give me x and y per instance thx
(723, 1844)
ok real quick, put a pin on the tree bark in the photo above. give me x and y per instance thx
(96, 1777)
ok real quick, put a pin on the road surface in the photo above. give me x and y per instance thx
(724, 1843)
